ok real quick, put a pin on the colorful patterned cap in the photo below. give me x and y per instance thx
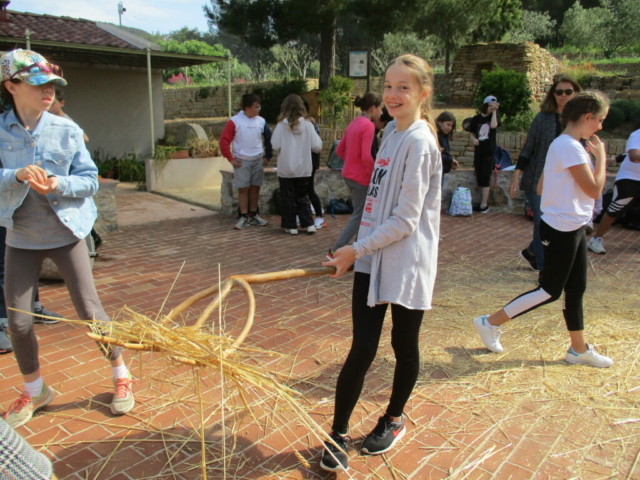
(30, 67)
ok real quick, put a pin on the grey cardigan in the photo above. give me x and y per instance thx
(404, 246)
(534, 153)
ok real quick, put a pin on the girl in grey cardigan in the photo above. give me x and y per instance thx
(544, 129)
(395, 257)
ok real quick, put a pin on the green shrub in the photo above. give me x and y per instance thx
(106, 163)
(519, 123)
(271, 97)
(335, 98)
(614, 119)
(509, 87)
(131, 169)
(625, 105)
(634, 115)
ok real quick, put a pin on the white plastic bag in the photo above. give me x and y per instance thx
(460, 205)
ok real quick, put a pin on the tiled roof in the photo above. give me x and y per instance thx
(60, 29)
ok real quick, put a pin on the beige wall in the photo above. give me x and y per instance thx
(111, 104)
(186, 173)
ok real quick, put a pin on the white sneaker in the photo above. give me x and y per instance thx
(590, 357)
(320, 222)
(257, 221)
(489, 334)
(291, 231)
(311, 230)
(595, 245)
(242, 222)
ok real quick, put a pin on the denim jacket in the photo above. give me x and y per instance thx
(57, 146)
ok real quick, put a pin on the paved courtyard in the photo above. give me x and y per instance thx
(523, 414)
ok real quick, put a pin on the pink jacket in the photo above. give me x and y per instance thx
(355, 149)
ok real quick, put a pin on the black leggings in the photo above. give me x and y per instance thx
(564, 270)
(367, 328)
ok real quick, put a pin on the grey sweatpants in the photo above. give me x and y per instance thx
(358, 198)
(22, 271)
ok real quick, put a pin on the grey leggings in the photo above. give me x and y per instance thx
(358, 198)
(22, 271)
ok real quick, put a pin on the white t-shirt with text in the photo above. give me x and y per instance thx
(565, 206)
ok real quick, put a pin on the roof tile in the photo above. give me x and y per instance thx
(60, 29)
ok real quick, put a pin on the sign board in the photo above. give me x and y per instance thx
(358, 63)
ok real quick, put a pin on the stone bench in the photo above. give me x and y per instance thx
(329, 184)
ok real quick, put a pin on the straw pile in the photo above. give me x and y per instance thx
(252, 389)
(469, 412)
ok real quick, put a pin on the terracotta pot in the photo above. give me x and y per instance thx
(179, 154)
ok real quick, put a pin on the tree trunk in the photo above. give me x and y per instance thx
(327, 49)
(447, 58)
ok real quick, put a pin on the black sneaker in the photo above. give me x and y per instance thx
(384, 436)
(341, 462)
(46, 313)
(531, 259)
(480, 209)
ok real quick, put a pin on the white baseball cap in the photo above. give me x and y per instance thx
(490, 99)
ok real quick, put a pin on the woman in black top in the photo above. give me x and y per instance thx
(545, 128)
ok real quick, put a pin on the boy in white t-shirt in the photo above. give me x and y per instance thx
(625, 190)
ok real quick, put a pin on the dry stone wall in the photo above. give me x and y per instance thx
(206, 102)
(626, 88)
(461, 144)
(529, 58)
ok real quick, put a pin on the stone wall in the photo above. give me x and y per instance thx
(105, 200)
(205, 102)
(529, 58)
(626, 88)
(441, 85)
(461, 144)
(329, 184)
(462, 147)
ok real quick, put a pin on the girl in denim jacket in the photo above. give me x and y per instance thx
(47, 179)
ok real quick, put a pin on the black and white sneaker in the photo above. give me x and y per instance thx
(480, 209)
(334, 459)
(531, 259)
(384, 436)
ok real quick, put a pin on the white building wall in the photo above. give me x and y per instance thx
(111, 104)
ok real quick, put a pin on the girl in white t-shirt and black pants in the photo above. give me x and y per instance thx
(568, 185)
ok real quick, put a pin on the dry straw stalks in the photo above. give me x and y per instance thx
(205, 350)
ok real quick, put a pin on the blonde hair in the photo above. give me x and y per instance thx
(292, 109)
(423, 74)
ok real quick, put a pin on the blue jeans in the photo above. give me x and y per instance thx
(535, 246)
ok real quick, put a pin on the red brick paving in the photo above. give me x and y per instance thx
(473, 415)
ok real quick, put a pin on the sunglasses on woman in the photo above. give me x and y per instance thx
(43, 67)
(567, 91)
